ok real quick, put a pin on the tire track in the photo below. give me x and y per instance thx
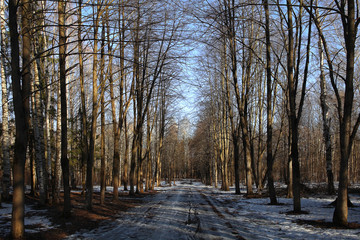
(220, 215)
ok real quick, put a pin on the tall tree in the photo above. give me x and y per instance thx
(348, 12)
(295, 104)
(62, 80)
(21, 79)
(84, 122)
(38, 130)
(91, 157)
(102, 112)
(57, 176)
(269, 114)
(5, 138)
(325, 114)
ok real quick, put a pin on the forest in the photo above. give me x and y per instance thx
(130, 94)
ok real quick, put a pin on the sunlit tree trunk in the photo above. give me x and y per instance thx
(326, 120)
(125, 177)
(95, 106)
(161, 128)
(117, 125)
(5, 137)
(102, 102)
(38, 123)
(57, 175)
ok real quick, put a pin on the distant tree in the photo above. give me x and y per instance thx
(326, 119)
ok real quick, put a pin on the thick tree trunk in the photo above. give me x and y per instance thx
(347, 133)
(293, 123)
(38, 123)
(21, 89)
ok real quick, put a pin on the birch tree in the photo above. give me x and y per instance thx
(5, 139)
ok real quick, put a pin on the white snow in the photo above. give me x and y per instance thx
(34, 220)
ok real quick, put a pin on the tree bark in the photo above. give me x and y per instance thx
(95, 106)
(38, 123)
(21, 92)
(326, 121)
(62, 79)
(125, 177)
(5, 138)
(102, 102)
(347, 132)
(269, 113)
(57, 170)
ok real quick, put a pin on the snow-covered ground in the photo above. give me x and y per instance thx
(191, 210)
(35, 221)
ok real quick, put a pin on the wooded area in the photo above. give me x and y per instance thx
(92, 92)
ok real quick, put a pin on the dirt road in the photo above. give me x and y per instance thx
(186, 211)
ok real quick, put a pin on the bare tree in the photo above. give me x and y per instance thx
(350, 23)
(62, 80)
(325, 114)
(5, 139)
(269, 113)
(21, 92)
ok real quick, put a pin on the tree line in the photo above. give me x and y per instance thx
(89, 89)
(279, 96)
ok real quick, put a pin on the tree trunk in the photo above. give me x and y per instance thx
(62, 79)
(57, 176)
(5, 139)
(95, 106)
(125, 178)
(38, 123)
(102, 101)
(21, 91)
(292, 112)
(32, 163)
(269, 114)
(84, 134)
(347, 132)
(326, 123)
